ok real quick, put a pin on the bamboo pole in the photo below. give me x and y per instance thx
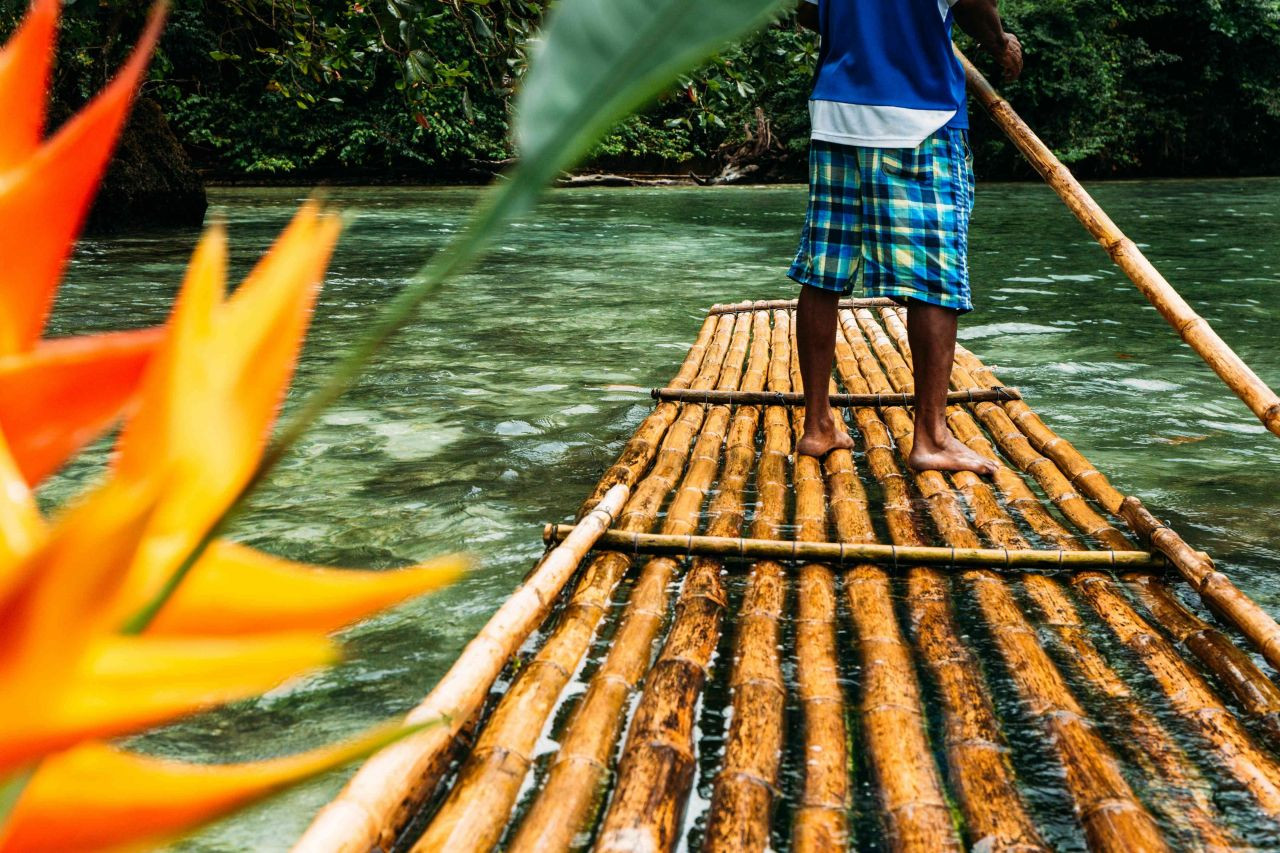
(655, 772)
(1234, 669)
(1177, 787)
(1010, 439)
(742, 797)
(778, 398)
(1188, 693)
(1078, 469)
(904, 773)
(1215, 589)
(640, 449)
(476, 811)
(569, 797)
(977, 756)
(846, 553)
(820, 820)
(1112, 816)
(790, 304)
(656, 768)
(1152, 748)
(378, 797)
(1174, 784)
(1190, 326)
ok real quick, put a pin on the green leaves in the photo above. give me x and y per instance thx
(600, 59)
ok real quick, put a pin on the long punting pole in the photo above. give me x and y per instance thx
(1193, 328)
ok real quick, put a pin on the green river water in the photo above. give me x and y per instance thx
(498, 408)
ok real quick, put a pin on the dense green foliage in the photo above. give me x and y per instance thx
(424, 87)
(1149, 87)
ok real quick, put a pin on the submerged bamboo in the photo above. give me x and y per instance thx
(569, 797)
(977, 757)
(477, 808)
(1186, 800)
(1190, 326)
(377, 799)
(655, 770)
(820, 821)
(742, 797)
(1188, 693)
(1234, 669)
(1215, 589)
(1112, 816)
(1177, 788)
(779, 398)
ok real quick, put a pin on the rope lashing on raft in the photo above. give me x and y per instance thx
(994, 394)
(845, 553)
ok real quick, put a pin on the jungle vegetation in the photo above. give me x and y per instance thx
(423, 89)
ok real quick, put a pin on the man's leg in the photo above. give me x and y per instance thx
(932, 332)
(816, 339)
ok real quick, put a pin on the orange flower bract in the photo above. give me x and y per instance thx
(199, 398)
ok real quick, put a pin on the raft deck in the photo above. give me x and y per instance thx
(825, 676)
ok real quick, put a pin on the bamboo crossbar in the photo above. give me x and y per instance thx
(848, 553)
(1189, 325)
(774, 304)
(841, 401)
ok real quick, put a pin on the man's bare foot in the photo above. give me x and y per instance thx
(819, 443)
(952, 455)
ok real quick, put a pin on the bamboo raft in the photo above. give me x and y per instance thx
(738, 648)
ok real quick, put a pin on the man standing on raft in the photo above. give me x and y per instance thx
(890, 193)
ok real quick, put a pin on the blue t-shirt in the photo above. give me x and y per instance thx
(887, 77)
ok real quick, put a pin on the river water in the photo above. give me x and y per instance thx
(503, 402)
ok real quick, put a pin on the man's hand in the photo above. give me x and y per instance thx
(981, 19)
(1009, 55)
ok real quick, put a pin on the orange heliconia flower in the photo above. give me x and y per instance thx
(199, 398)
(45, 190)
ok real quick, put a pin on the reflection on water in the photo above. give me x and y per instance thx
(516, 386)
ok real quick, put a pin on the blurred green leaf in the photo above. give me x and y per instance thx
(597, 61)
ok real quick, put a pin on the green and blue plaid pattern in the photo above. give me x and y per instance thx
(900, 216)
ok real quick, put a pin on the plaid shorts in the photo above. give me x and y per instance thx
(901, 215)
